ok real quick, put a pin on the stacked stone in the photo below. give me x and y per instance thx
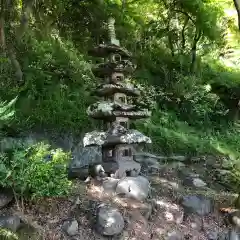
(118, 142)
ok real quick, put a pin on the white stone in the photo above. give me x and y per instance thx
(134, 187)
(109, 221)
(71, 227)
(110, 184)
(197, 182)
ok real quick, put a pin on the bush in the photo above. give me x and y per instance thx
(36, 171)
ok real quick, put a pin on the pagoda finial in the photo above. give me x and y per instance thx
(111, 32)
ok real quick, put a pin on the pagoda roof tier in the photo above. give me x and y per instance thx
(110, 110)
(104, 50)
(119, 87)
(117, 134)
(104, 69)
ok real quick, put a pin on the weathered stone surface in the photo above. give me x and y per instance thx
(134, 187)
(231, 234)
(110, 184)
(194, 182)
(109, 221)
(125, 166)
(178, 158)
(10, 222)
(174, 235)
(197, 204)
(6, 197)
(70, 227)
(117, 134)
(212, 235)
(147, 158)
(104, 50)
(121, 168)
(234, 218)
(194, 221)
(123, 66)
(120, 87)
(168, 211)
(10, 143)
(85, 156)
(105, 109)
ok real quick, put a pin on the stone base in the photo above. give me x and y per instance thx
(122, 168)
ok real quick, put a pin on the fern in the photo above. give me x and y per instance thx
(7, 111)
(7, 235)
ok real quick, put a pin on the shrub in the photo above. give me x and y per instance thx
(36, 171)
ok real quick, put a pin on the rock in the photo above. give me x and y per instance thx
(212, 235)
(176, 165)
(234, 218)
(110, 184)
(9, 143)
(178, 158)
(233, 235)
(194, 182)
(142, 156)
(197, 204)
(175, 235)
(229, 235)
(154, 169)
(109, 221)
(12, 223)
(70, 227)
(194, 221)
(134, 187)
(5, 197)
(82, 158)
(168, 211)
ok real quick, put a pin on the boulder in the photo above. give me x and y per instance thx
(174, 235)
(197, 204)
(212, 235)
(194, 182)
(5, 197)
(109, 221)
(12, 223)
(168, 211)
(70, 227)
(110, 184)
(134, 187)
(82, 158)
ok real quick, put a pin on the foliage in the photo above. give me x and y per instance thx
(6, 111)
(182, 49)
(7, 235)
(37, 171)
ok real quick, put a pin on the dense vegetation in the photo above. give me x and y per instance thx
(188, 65)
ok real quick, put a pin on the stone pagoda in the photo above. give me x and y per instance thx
(115, 109)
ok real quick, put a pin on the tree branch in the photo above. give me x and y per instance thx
(186, 14)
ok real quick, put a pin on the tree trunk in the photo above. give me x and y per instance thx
(197, 37)
(183, 34)
(237, 202)
(2, 30)
(237, 6)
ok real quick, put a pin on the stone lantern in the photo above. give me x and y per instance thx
(114, 108)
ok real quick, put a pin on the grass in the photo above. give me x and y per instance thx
(170, 135)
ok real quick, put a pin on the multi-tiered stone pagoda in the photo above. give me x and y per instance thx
(114, 108)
